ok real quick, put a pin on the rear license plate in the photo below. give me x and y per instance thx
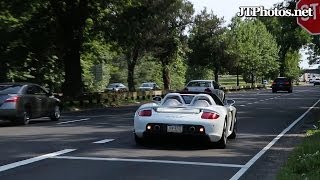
(174, 128)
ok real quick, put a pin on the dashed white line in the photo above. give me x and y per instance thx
(265, 149)
(35, 159)
(79, 120)
(150, 161)
(104, 141)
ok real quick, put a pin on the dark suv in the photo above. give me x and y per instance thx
(282, 84)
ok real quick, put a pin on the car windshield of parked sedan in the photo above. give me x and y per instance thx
(147, 85)
(114, 85)
(9, 89)
(199, 84)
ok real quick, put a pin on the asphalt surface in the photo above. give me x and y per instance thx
(99, 144)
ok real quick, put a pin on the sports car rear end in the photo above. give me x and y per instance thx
(179, 121)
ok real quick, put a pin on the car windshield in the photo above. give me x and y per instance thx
(199, 84)
(147, 85)
(9, 89)
(281, 80)
(114, 85)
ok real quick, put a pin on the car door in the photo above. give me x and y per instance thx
(42, 97)
(32, 102)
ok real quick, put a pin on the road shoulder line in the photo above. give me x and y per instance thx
(103, 141)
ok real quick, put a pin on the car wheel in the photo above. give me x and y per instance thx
(55, 116)
(25, 119)
(290, 91)
(274, 91)
(139, 141)
(222, 143)
(233, 135)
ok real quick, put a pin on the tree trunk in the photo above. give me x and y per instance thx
(3, 74)
(132, 61)
(166, 75)
(238, 76)
(252, 78)
(216, 76)
(282, 58)
(73, 72)
(70, 26)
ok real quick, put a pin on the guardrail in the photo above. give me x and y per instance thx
(111, 97)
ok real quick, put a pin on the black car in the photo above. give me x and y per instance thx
(282, 84)
(20, 102)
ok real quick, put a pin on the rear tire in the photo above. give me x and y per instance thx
(139, 141)
(25, 119)
(274, 91)
(55, 116)
(222, 143)
(233, 135)
(290, 91)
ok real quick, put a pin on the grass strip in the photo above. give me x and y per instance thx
(304, 161)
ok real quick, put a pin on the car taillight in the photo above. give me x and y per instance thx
(210, 115)
(286, 83)
(274, 83)
(208, 90)
(12, 99)
(145, 112)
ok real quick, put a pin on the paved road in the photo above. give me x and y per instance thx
(99, 144)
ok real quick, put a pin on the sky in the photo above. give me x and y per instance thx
(229, 8)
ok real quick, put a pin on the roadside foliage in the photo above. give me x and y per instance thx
(81, 46)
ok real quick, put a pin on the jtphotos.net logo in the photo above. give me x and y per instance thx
(255, 11)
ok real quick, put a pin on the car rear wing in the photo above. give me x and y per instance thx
(185, 110)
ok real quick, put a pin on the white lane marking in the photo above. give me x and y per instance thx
(107, 116)
(104, 141)
(242, 105)
(149, 161)
(265, 149)
(35, 159)
(66, 122)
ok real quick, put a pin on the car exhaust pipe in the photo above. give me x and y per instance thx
(192, 129)
(157, 127)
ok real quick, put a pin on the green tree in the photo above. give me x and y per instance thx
(256, 48)
(289, 35)
(292, 69)
(208, 42)
(132, 30)
(172, 18)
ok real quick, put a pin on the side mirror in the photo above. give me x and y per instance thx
(50, 93)
(230, 102)
(157, 99)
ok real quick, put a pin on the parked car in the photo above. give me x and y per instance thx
(116, 87)
(282, 84)
(316, 81)
(208, 86)
(201, 86)
(311, 80)
(148, 86)
(20, 102)
(265, 82)
(206, 116)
